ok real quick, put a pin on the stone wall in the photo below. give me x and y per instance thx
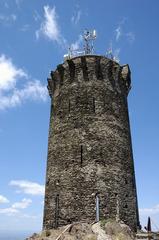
(89, 149)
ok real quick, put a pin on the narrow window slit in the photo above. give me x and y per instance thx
(81, 155)
(126, 206)
(69, 106)
(56, 210)
(104, 102)
(94, 107)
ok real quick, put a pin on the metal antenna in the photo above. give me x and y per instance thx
(109, 54)
(89, 36)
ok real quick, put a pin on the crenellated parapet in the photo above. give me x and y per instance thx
(88, 69)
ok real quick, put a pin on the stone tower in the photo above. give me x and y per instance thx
(90, 169)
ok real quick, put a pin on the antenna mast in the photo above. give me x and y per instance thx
(89, 36)
(88, 47)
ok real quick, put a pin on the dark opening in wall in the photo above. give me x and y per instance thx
(69, 106)
(94, 107)
(81, 155)
(126, 181)
(61, 70)
(71, 70)
(56, 210)
(126, 206)
(98, 71)
(84, 68)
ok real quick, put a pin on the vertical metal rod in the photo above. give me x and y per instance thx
(97, 208)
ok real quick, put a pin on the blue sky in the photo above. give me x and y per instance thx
(34, 36)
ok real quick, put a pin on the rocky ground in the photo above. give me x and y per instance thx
(82, 231)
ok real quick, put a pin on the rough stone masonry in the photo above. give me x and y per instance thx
(90, 169)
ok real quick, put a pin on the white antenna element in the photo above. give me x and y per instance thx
(109, 54)
(89, 36)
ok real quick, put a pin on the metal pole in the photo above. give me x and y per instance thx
(97, 208)
(149, 228)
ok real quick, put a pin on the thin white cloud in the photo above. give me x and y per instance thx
(30, 216)
(10, 94)
(76, 45)
(49, 27)
(23, 204)
(36, 16)
(149, 211)
(76, 17)
(130, 37)
(28, 187)
(118, 33)
(9, 211)
(3, 199)
(31, 91)
(6, 5)
(7, 19)
(25, 28)
(14, 209)
(9, 73)
(18, 3)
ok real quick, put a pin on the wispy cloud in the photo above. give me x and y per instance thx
(18, 3)
(150, 211)
(10, 94)
(25, 28)
(36, 16)
(7, 19)
(31, 91)
(118, 33)
(9, 73)
(16, 207)
(23, 204)
(9, 211)
(76, 44)
(130, 36)
(50, 28)
(121, 33)
(76, 15)
(3, 199)
(28, 187)
(6, 5)
(30, 216)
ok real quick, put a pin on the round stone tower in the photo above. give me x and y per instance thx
(90, 169)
